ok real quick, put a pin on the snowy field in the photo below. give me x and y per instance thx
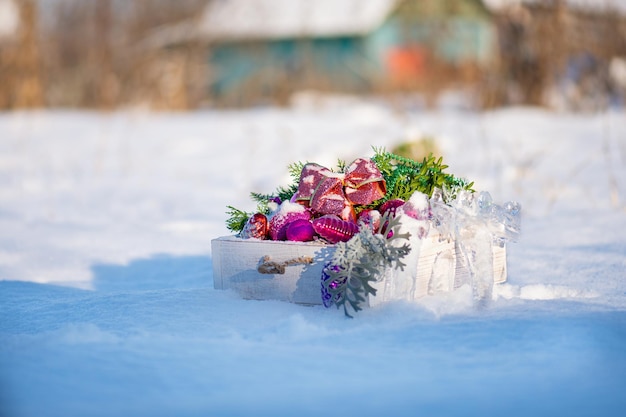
(107, 306)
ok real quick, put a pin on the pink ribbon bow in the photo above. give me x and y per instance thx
(328, 192)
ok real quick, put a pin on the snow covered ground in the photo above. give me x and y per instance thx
(107, 306)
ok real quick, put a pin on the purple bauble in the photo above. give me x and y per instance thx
(300, 230)
(327, 297)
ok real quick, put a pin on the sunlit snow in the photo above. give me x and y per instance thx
(107, 301)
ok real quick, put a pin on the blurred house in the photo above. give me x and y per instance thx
(266, 49)
(563, 53)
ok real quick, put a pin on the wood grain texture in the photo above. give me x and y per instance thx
(437, 267)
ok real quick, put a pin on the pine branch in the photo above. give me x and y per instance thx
(341, 165)
(237, 219)
(404, 176)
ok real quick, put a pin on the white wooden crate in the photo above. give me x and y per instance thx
(236, 262)
(435, 267)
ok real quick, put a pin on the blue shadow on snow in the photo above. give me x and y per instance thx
(154, 273)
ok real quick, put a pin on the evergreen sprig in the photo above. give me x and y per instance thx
(361, 261)
(404, 176)
(237, 219)
(341, 165)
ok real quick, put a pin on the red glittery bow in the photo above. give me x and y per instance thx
(328, 192)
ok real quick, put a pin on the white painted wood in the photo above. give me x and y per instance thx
(499, 267)
(430, 268)
(499, 264)
(235, 263)
(437, 266)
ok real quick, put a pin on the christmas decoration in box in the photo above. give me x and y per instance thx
(379, 229)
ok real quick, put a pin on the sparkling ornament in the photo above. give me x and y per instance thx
(328, 198)
(364, 182)
(371, 218)
(390, 205)
(256, 227)
(300, 230)
(287, 213)
(333, 229)
(327, 297)
(328, 192)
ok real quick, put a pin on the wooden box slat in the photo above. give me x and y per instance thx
(235, 263)
(438, 267)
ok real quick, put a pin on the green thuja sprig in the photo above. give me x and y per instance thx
(404, 176)
(237, 219)
(341, 165)
(361, 261)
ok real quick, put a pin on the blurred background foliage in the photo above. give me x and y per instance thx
(186, 54)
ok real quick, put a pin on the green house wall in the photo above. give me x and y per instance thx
(454, 31)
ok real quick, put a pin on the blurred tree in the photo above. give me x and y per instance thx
(556, 53)
(20, 63)
(106, 80)
(28, 86)
(164, 77)
(95, 54)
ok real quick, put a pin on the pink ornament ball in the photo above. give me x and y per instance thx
(300, 230)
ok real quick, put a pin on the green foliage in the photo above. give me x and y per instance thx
(404, 176)
(341, 165)
(361, 261)
(237, 219)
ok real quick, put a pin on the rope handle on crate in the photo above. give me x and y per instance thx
(267, 266)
